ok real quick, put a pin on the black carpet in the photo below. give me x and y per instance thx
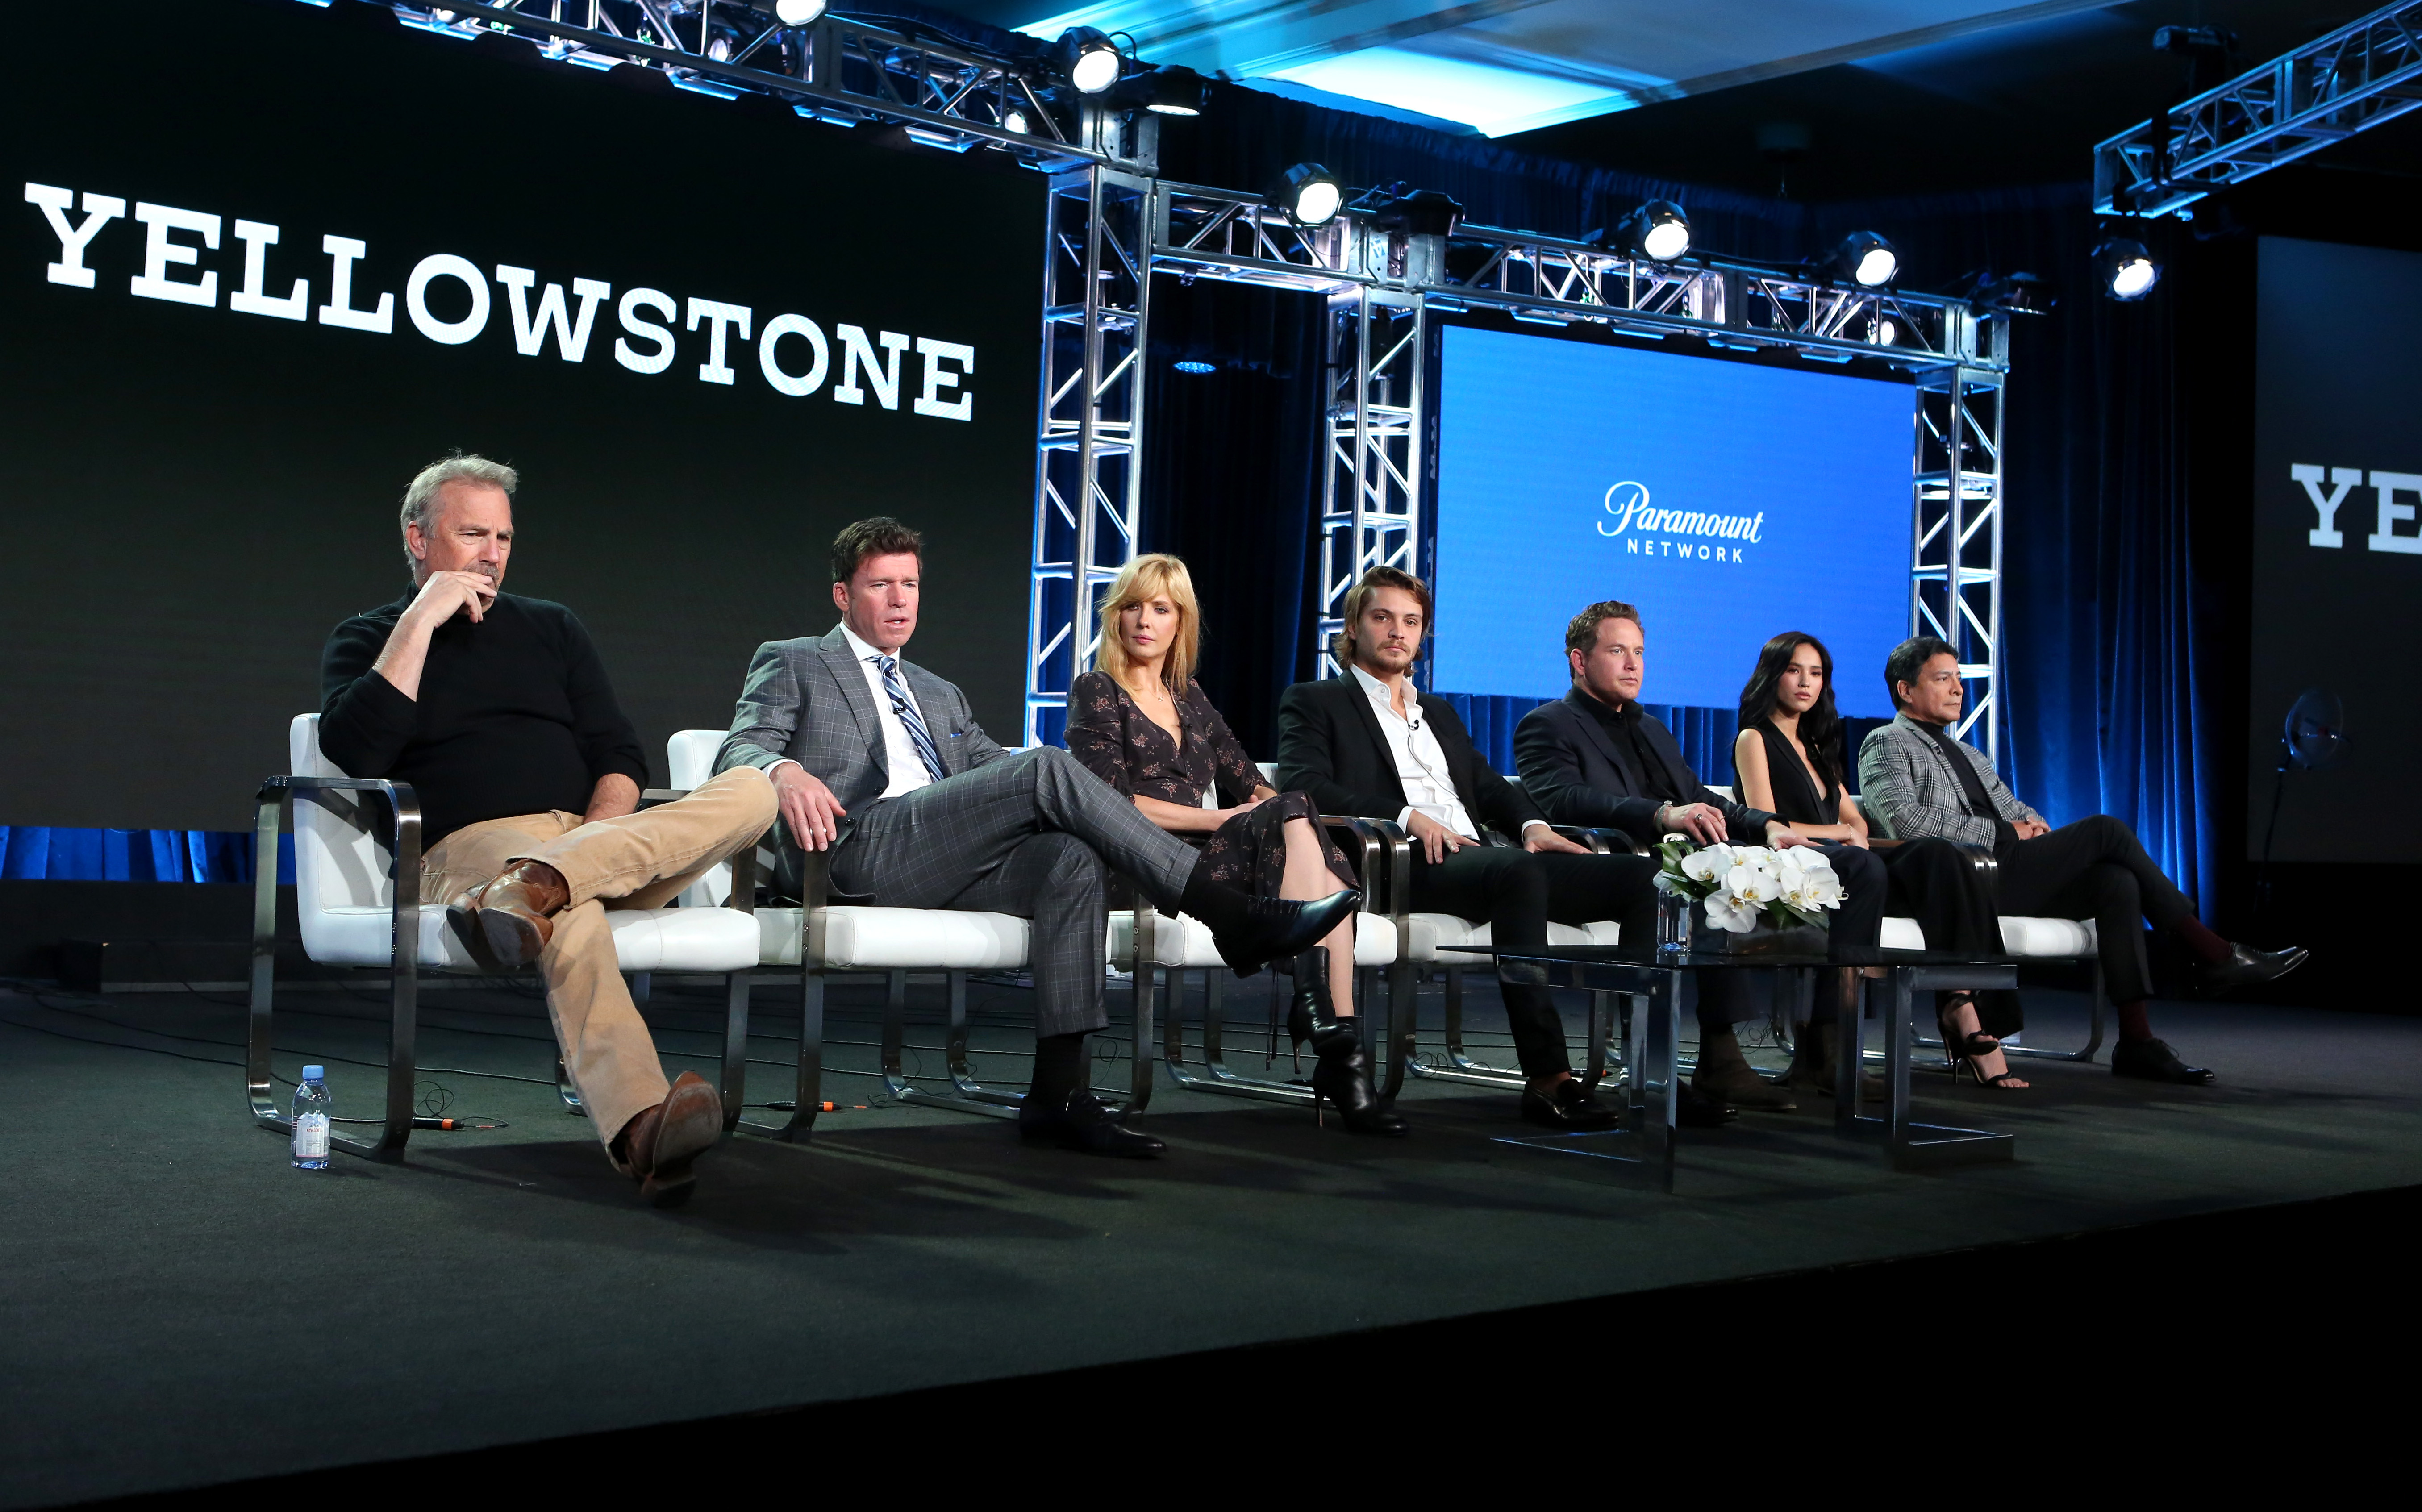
(184, 1310)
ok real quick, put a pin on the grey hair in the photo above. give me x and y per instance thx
(420, 496)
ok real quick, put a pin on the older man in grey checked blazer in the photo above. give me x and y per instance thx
(881, 762)
(1920, 779)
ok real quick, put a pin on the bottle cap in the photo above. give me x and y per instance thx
(314, 1073)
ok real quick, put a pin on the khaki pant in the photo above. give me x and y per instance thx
(639, 861)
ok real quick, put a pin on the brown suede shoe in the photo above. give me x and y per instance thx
(661, 1143)
(514, 913)
(1726, 1076)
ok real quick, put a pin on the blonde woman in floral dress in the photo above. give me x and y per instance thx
(1140, 722)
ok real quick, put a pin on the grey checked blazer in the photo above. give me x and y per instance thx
(1908, 785)
(806, 701)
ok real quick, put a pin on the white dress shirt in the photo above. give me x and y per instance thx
(905, 768)
(1420, 760)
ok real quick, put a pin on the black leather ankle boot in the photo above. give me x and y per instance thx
(1340, 1072)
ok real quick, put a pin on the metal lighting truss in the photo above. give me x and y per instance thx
(1089, 473)
(2353, 78)
(1383, 285)
(945, 94)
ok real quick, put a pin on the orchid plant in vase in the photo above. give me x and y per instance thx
(1737, 886)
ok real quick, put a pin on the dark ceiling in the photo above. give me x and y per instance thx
(2020, 104)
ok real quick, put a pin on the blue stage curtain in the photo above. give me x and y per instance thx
(2105, 708)
(38, 853)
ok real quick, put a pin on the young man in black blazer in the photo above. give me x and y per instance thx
(1595, 757)
(1369, 743)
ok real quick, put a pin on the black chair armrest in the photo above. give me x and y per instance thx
(1603, 840)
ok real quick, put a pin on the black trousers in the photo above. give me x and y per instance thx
(2097, 869)
(1953, 901)
(1517, 893)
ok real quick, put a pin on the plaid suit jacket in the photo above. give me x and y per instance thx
(806, 701)
(1907, 785)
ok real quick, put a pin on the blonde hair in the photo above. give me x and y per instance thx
(1150, 577)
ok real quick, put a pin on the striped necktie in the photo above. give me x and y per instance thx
(902, 705)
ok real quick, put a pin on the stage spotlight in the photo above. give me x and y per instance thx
(1866, 259)
(798, 12)
(2128, 271)
(1423, 213)
(1170, 91)
(1881, 332)
(1013, 120)
(1090, 59)
(1657, 230)
(1307, 195)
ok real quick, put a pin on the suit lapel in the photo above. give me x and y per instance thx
(1594, 733)
(1381, 751)
(851, 678)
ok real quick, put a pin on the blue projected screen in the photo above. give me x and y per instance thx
(1729, 501)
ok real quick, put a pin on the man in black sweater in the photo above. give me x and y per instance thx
(497, 711)
(1371, 744)
(1595, 757)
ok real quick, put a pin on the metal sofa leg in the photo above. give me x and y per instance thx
(571, 1095)
(403, 973)
(733, 1078)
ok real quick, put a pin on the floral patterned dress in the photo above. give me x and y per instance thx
(1119, 743)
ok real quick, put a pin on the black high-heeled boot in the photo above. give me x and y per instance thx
(1340, 1072)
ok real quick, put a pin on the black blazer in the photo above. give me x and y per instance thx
(1330, 746)
(1567, 764)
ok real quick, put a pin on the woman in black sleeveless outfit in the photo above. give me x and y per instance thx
(1788, 760)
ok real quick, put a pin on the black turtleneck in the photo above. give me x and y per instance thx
(515, 715)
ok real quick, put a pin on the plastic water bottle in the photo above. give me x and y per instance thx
(312, 1106)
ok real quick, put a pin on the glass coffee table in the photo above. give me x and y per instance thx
(1642, 1149)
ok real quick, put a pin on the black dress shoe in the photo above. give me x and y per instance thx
(2153, 1060)
(1694, 1109)
(2247, 966)
(1569, 1109)
(1082, 1122)
(1252, 932)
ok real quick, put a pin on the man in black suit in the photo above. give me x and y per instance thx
(1595, 757)
(1369, 743)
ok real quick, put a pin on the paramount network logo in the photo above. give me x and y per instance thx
(1646, 531)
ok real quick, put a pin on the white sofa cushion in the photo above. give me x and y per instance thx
(1433, 932)
(2022, 935)
(852, 938)
(1188, 945)
(645, 939)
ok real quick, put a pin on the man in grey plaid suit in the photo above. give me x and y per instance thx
(1919, 780)
(881, 762)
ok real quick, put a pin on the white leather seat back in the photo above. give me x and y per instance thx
(338, 863)
(1724, 791)
(689, 759)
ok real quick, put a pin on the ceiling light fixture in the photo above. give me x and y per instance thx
(2127, 270)
(1089, 59)
(798, 12)
(1866, 259)
(1657, 230)
(1307, 194)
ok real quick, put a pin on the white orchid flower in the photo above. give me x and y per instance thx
(1708, 865)
(1731, 914)
(1753, 880)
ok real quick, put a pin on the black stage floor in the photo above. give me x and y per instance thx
(182, 1309)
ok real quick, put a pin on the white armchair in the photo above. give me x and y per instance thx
(2027, 936)
(349, 847)
(823, 939)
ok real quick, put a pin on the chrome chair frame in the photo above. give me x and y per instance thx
(274, 799)
(1462, 1067)
(1387, 861)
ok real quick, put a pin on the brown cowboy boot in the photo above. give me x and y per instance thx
(514, 913)
(1726, 1075)
(659, 1145)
